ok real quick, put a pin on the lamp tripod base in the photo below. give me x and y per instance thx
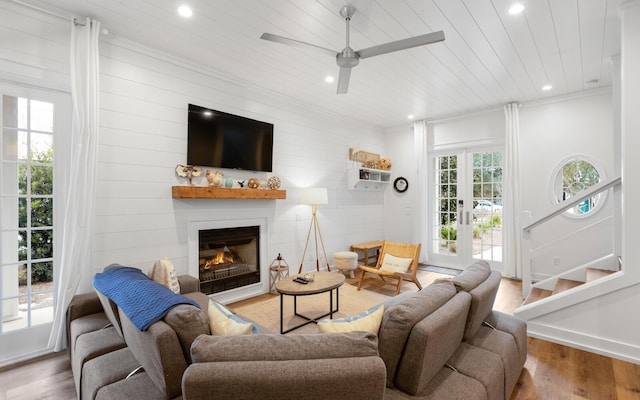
(316, 234)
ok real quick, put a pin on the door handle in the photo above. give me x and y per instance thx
(467, 217)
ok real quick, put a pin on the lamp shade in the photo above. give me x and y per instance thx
(313, 196)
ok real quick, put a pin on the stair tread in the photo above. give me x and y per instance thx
(536, 294)
(596, 273)
(565, 284)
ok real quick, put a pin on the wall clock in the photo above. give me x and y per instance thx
(400, 184)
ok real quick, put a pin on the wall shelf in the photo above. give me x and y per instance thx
(368, 179)
(206, 192)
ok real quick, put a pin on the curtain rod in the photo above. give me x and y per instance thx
(49, 12)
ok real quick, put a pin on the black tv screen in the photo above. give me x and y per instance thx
(221, 140)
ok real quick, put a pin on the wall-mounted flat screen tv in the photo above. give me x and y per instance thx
(221, 140)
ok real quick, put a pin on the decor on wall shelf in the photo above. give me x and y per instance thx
(214, 178)
(384, 164)
(273, 183)
(228, 182)
(314, 196)
(358, 155)
(188, 171)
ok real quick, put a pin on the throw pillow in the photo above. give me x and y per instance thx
(391, 263)
(164, 273)
(225, 323)
(367, 321)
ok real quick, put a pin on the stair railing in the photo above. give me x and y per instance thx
(558, 209)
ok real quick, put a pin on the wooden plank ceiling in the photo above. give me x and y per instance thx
(489, 57)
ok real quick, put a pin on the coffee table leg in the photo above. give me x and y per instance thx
(281, 313)
(295, 305)
(330, 304)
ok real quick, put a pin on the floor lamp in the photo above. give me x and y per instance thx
(314, 196)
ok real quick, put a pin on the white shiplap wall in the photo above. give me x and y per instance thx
(144, 97)
(143, 131)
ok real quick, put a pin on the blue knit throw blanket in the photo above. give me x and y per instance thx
(142, 299)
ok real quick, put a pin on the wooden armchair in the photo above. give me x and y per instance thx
(387, 273)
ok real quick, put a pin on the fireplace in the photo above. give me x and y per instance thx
(228, 258)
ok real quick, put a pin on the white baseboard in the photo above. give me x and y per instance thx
(593, 344)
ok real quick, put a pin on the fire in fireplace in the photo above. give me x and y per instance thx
(228, 258)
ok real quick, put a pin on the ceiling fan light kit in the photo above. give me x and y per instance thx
(348, 58)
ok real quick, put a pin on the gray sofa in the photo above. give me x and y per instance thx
(444, 342)
(447, 342)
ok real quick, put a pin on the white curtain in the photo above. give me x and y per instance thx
(511, 192)
(420, 148)
(76, 259)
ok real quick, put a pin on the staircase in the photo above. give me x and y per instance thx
(562, 284)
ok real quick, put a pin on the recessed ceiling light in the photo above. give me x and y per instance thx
(329, 79)
(547, 87)
(411, 116)
(185, 11)
(516, 8)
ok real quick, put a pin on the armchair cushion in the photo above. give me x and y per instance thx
(392, 263)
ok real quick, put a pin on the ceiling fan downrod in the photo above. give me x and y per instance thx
(347, 58)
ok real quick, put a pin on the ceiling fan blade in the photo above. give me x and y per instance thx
(343, 80)
(297, 43)
(402, 44)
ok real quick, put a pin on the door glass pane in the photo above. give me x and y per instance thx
(41, 116)
(41, 244)
(445, 231)
(41, 147)
(41, 180)
(41, 211)
(487, 206)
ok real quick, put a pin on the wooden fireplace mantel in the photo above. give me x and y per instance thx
(206, 192)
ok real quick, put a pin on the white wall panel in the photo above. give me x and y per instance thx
(143, 136)
(549, 134)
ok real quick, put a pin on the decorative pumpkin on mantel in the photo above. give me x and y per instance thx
(253, 183)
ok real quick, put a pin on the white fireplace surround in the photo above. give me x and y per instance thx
(241, 293)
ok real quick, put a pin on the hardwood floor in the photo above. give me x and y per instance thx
(47, 377)
(552, 371)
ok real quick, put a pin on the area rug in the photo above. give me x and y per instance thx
(266, 311)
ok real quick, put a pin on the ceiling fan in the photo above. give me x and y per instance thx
(348, 58)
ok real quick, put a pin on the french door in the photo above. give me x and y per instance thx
(30, 121)
(466, 208)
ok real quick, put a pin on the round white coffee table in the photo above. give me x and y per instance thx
(323, 282)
